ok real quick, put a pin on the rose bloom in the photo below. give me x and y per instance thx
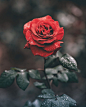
(43, 35)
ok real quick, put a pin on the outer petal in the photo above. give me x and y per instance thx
(46, 17)
(31, 40)
(56, 50)
(60, 34)
(34, 24)
(26, 27)
(56, 29)
(24, 32)
(39, 51)
(28, 35)
(53, 46)
(27, 45)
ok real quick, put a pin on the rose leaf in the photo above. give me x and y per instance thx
(22, 80)
(51, 60)
(61, 101)
(47, 93)
(68, 62)
(39, 85)
(18, 69)
(49, 77)
(72, 77)
(50, 71)
(36, 103)
(7, 78)
(55, 81)
(34, 74)
(62, 77)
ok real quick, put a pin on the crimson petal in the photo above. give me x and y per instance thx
(46, 17)
(31, 40)
(37, 21)
(39, 51)
(37, 38)
(60, 34)
(56, 50)
(27, 45)
(53, 46)
(26, 27)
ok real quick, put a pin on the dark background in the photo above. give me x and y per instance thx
(71, 14)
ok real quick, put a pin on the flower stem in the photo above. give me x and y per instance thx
(49, 84)
(46, 75)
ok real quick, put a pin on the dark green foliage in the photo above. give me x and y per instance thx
(22, 80)
(39, 85)
(28, 104)
(50, 71)
(55, 74)
(69, 62)
(72, 77)
(49, 77)
(71, 101)
(7, 78)
(36, 103)
(18, 69)
(61, 101)
(34, 74)
(60, 74)
(62, 77)
(47, 93)
(51, 61)
(56, 101)
(55, 81)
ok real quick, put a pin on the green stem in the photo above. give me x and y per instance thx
(49, 86)
(46, 75)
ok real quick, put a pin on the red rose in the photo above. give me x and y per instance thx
(43, 35)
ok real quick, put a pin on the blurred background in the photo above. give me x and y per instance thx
(71, 14)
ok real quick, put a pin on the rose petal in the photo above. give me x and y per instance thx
(37, 38)
(28, 35)
(52, 24)
(56, 50)
(39, 51)
(27, 45)
(46, 41)
(31, 40)
(53, 46)
(35, 23)
(26, 27)
(46, 17)
(60, 34)
(49, 40)
(42, 40)
(24, 32)
(56, 29)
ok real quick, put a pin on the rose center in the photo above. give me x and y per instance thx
(44, 29)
